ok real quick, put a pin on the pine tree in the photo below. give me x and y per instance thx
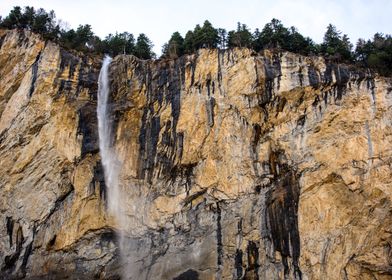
(335, 46)
(13, 20)
(175, 47)
(240, 38)
(189, 42)
(143, 47)
(222, 38)
(210, 37)
(197, 37)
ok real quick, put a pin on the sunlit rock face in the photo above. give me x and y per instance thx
(233, 165)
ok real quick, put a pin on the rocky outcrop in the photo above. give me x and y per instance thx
(234, 165)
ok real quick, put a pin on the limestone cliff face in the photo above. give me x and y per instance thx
(234, 165)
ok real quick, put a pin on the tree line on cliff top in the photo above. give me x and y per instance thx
(375, 53)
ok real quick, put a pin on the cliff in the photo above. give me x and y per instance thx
(232, 164)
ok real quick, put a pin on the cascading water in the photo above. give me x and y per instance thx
(108, 155)
(111, 166)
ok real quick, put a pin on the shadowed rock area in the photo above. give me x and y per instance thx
(234, 165)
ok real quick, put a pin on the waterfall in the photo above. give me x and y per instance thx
(111, 167)
(105, 131)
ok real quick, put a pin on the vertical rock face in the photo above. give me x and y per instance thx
(234, 165)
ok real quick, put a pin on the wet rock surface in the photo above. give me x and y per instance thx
(234, 165)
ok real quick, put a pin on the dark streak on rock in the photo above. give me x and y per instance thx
(148, 139)
(314, 79)
(325, 97)
(10, 260)
(190, 274)
(221, 56)
(300, 76)
(182, 174)
(88, 79)
(219, 242)
(88, 128)
(316, 101)
(281, 103)
(2, 40)
(51, 242)
(193, 68)
(208, 85)
(370, 84)
(272, 70)
(162, 88)
(99, 178)
(252, 270)
(301, 121)
(210, 103)
(68, 60)
(256, 135)
(34, 73)
(10, 228)
(238, 264)
(26, 256)
(19, 238)
(282, 209)
(194, 196)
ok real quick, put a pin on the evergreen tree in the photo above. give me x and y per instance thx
(274, 35)
(240, 38)
(335, 46)
(44, 23)
(120, 43)
(362, 51)
(197, 38)
(143, 47)
(78, 39)
(298, 43)
(209, 36)
(13, 20)
(376, 53)
(175, 47)
(189, 42)
(37, 21)
(28, 17)
(222, 38)
(257, 44)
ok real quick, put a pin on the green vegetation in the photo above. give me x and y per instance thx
(336, 46)
(38, 21)
(375, 53)
(82, 39)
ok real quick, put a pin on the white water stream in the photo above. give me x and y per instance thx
(116, 200)
(105, 131)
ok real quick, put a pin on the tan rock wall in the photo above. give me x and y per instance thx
(234, 165)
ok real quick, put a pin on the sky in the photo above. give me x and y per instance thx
(159, 19)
